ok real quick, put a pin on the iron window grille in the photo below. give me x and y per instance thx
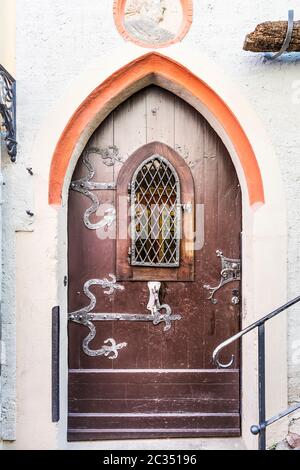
(155, 214)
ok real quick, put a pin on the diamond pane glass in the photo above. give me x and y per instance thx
(155, 214)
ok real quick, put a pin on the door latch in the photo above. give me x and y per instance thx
(156, 308)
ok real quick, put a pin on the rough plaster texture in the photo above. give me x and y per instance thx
(58, 40)
(8, 309)
(8, 34)
(7, 295)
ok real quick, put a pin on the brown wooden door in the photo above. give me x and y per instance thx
(162, 383)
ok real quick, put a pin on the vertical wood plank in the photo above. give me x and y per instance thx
(229, 229)
(189, 143)
(103, 138)
(160, 116)
(91, 252)
(129, 127)
(129, 135)
(160, 107)
(211, 264)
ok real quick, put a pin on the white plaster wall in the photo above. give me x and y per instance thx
(57, 40)
(8, 34)
(7, 307)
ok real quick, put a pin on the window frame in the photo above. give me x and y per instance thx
(177, 205)
(125, 271)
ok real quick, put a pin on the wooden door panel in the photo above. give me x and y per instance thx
(160, 117)
(127, 401)
(76, 435)
(156, 424)
(130, 128)
(163, 383)
(172, 405)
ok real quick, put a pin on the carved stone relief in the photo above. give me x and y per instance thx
(153, 23)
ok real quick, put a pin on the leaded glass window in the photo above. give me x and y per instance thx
(155, 214)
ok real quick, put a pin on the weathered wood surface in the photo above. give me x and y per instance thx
(164, 383)
(270, 36)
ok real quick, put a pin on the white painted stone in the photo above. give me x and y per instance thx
(283, 445)
(295, 421)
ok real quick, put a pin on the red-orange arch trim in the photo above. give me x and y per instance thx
(125, 78)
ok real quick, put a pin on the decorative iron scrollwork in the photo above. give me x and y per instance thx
(85, 186)
(160, 313)
(106, 350)
(110, 155)
(109, 284)
(110, 351)
(8, 111)
(83, 317)
(230, 271)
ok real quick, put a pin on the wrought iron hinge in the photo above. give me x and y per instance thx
(87, 186)
(159, 313)
(8, 111)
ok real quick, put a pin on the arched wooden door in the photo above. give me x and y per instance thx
(142, 327)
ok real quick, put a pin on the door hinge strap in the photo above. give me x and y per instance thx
(157, 318)
(86, 317)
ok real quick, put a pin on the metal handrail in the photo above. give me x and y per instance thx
(259, 429)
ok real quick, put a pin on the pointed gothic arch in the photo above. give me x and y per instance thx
(152, 68)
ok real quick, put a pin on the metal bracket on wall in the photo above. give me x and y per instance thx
(8, 111)
(160, 313)
(55, 363)
(230, 271)
(85, 186)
